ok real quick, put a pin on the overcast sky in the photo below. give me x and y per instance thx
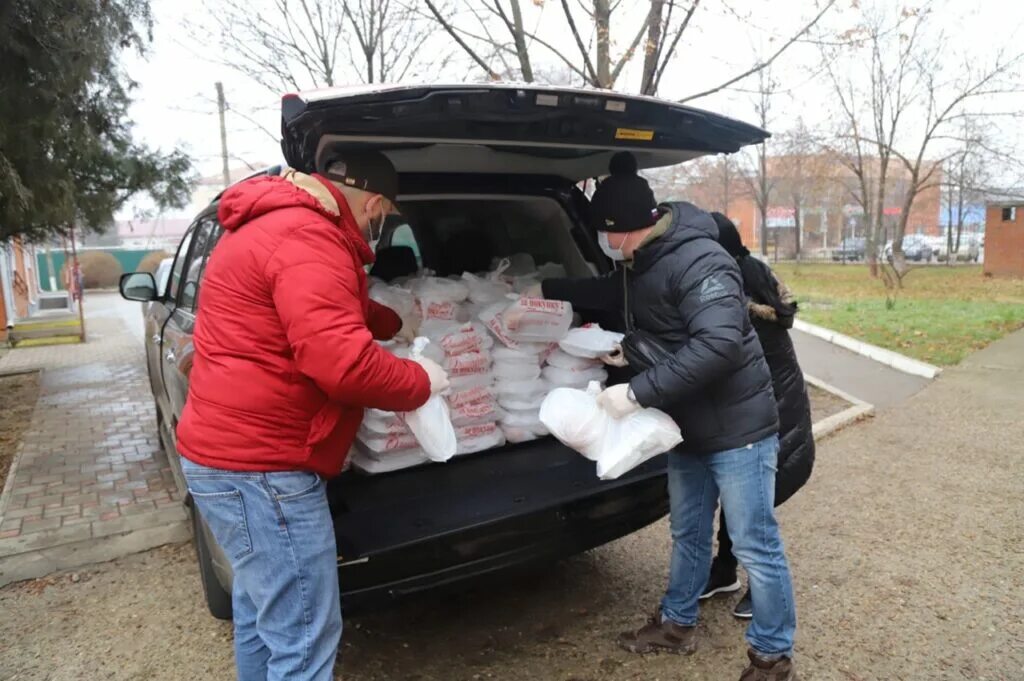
(175, 101)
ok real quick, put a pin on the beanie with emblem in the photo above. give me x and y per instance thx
(623, 202)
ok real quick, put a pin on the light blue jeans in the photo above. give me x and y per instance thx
(744, 479)
(276, 530)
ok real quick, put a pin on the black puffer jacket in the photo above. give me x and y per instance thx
(686, 290)
(772, 310)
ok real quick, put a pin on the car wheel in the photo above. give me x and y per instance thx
(218, 599)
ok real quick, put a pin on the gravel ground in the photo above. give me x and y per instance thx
(824, 403)
(906, 547)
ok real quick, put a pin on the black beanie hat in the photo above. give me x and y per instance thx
(624, 201)
(729, 236)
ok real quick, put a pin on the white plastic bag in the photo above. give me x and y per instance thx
(482, 291)
(563, 360)
(387, 464)
(527, 387)
(519, 402)
(617, 445)
(471, 337)
(537, 320)
(440, 289)
(590, 341)
(567, 377)
(467, 364)
(480, 437)
(523, 352)
(431, 423)
(473, 413)
(515, 371)
(528, 418)
(459, 398)
(401, 301)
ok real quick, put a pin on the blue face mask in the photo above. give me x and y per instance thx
(615, 254)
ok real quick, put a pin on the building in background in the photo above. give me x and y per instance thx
(19, 283)
(1004, 239)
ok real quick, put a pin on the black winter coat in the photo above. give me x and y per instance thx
(772, 313)
(684, 289)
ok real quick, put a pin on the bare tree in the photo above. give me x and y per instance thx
(912, 94)
(493, 30)
(288, 45)
(760, 181)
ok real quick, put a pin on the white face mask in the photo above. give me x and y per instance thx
(613, 253)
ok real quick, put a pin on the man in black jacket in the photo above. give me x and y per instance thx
(682, 287)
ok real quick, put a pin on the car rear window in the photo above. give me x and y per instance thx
(455, 235)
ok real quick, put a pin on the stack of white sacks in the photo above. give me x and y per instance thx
(502, 356)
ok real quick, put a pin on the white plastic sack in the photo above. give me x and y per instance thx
(401, 301)
(537, 320)
(431, 423)
(515, 371)
(457, 399)
(376, 426)
(590, 341)
(524, 352)
(484, 291)
(473, 413)
(517, 434)
(568, 377)
(480, 437)
(470, 382)
(393, 462)
(470, 337)
(563, 360)
(519, 402)
(527, 387)
(467, 364)
(617, 445)
(529, 418)
(440, 289)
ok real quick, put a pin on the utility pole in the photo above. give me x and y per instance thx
(221, 107)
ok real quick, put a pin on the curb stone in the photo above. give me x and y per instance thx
(857, 410)
(895, 360)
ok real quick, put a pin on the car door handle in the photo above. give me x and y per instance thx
(170, 357)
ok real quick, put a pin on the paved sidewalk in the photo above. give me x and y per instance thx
(90, 481)
(864, 378)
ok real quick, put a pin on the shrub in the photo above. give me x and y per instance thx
(152, 260)
(99, 269)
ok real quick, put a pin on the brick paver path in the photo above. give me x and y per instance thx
(90, 464)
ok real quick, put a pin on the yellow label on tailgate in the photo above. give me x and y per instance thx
(632, 134)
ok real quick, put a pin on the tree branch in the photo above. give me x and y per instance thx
(765, 63)
(579, 43)
(458, 39)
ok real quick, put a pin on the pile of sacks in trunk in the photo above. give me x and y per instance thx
(501, 351)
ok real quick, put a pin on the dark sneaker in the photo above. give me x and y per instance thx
(768, 670)
(744, 610)
(657, 636)
(722, 580)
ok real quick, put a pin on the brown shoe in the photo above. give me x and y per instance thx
(657, 636)
(760, 669)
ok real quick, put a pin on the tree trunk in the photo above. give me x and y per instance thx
(651, 50)
(602, 17)
(798, 224)
(520, 38)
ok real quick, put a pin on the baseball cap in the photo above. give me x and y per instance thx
(370, 171)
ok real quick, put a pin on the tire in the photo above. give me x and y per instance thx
(218, 600)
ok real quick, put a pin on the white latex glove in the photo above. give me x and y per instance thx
(535, 291)
(437, 375)
(615, 358)
(408, 331)
(615, 400)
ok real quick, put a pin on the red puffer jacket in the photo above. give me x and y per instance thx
(285, 355)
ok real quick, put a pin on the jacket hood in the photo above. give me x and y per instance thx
(688, 223)
(246, 201)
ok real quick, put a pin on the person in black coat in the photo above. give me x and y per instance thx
(772, 310)
(680, 287)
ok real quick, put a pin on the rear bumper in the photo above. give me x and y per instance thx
(438, 525)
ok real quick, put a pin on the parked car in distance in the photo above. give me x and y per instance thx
(969, 251)
(485, 170)
(916, 247)
(850, 249)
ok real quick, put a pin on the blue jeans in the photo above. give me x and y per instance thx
(276, 530)
(744, 479)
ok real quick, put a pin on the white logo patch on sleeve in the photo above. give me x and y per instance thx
(712, 289)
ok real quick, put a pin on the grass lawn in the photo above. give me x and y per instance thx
(942, 314)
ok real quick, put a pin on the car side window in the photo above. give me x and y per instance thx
(179, 263)
(202, 240)
(403, 236)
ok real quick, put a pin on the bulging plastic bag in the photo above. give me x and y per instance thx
(525, 387)
(517, 402)
(467, 364)
(470, 337)
(440, 289)
(482, 291)
(617, 445)
(470, 381)
(568, 377)
(589, 341)
(431, 424)
(401, 301)
(473, 413)
(537, 320)
(365, 463)
(563, 360)
(529, 353)
(516, 371)
(517, 434)
(479, 437)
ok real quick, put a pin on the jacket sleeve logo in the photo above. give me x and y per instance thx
(712, 289)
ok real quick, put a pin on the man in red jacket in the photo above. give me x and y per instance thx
(285, 363)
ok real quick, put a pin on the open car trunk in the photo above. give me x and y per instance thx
(514, 129)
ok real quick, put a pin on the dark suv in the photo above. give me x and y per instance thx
(486, 171)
